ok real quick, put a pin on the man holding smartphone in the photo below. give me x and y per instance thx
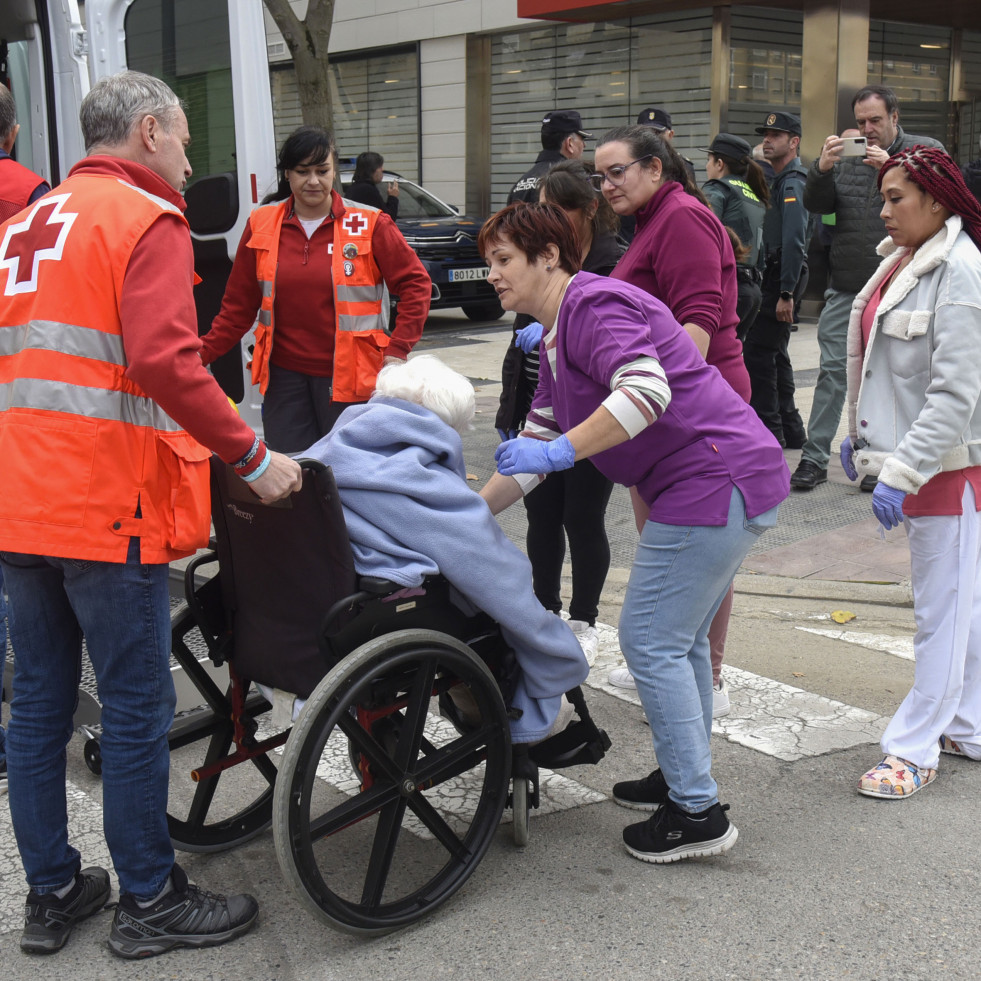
(845, 187)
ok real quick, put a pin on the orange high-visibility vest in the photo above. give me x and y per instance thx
(82, 447)
(359, 291)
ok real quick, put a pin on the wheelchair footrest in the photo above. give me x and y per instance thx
(580, 742)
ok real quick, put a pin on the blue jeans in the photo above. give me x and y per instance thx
(679, 578)
(123, 610)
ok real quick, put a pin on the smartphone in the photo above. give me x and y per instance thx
(854, 146)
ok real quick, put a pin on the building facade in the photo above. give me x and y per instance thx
(451, 92)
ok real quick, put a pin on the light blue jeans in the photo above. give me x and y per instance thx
(679, 578)
(123, 610)
(829, 390)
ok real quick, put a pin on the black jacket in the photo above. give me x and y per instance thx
(526, 187)
(519, 373)
(366, 192)
(972, 177)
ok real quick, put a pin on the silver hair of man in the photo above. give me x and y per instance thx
(425, 380)
(117, 103)
(8, 112)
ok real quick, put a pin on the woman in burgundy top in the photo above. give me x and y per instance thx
(682, 255)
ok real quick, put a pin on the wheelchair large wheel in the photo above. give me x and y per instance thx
(372, 856)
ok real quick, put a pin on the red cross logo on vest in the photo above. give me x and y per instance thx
(354, 224)
(41, 235)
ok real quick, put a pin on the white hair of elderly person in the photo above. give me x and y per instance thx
(427, 381)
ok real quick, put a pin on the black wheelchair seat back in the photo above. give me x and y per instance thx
(282, 566)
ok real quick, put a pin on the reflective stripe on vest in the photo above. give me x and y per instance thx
(82, 400)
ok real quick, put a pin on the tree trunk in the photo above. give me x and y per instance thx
(307, 41)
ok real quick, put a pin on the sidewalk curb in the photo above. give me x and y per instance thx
(881, 594)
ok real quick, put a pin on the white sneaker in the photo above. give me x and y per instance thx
(622, 678)
(588, 638)
(720, 700)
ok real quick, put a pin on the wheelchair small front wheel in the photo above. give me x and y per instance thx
(521, 810)
(372, 854)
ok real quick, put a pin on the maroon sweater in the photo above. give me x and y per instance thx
(303, 313)
(682, 256)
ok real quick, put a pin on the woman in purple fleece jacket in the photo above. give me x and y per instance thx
(622, 384)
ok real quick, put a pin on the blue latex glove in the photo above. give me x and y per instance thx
(507, 434)
(528, 455)
(528, 338)
(887, 505)
(846, 452)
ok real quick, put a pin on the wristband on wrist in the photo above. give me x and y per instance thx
(255, 460)
(259, 470)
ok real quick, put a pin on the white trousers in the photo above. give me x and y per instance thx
(946, 696)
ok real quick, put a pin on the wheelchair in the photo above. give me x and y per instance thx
(386, 791)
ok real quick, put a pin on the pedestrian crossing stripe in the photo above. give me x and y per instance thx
(766, 715)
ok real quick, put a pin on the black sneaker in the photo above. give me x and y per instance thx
(185, 917)
(48, 920)
(3, 777)
(807, 476)
(647, 794)
(672, 834)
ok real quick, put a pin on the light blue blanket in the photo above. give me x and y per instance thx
(410, 513)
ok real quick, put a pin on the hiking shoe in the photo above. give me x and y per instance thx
(588, 638)
(647, 794)
(48, 920)
(894, 779)
(720, 699)
(184, 917)
(673, 834)
(952, 748)
(622, 678)
(807, 476)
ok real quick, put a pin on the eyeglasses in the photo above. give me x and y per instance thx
(615, 175)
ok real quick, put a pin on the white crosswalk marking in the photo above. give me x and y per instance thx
(887, 643)
(773, 718)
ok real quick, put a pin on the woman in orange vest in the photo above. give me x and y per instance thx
(310, 273)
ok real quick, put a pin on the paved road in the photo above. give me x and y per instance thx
(822, 884)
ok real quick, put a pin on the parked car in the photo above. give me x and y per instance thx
(446, 242)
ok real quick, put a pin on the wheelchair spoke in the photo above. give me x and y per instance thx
(364, 742)
(382, 851)
(416, 713)
(452, 760)
(204, 792)
(435, 822)
(353, 810)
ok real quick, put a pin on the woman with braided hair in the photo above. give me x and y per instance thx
(914, 419)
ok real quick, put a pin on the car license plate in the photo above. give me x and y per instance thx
(463, 275)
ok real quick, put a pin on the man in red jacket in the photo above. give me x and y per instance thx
(106, 428)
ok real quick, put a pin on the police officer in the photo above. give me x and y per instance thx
(738, 194)
(563, 138)
(785, 232)
(660, 122)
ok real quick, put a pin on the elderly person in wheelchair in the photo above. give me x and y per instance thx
(398, 464)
